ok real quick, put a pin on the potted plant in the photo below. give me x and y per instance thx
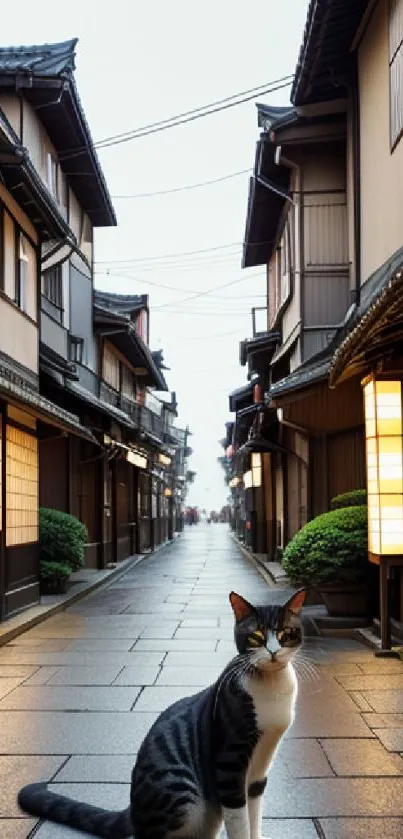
(330, 554)
(54, 577)
(62, 540)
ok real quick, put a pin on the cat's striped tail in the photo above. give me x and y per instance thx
(38, 801)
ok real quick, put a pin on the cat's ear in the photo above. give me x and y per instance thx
(240, 607)
(296, 602)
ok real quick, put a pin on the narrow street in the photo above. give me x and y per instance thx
(80, 690)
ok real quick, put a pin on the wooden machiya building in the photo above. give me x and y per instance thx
(362, 64)
(308, 440)
(80, 429)
(29, 219)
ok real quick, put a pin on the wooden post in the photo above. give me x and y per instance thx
(384, 605)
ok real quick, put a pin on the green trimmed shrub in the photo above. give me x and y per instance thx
(331, 548)
(62, 538)
(54, 571)
(355, 498)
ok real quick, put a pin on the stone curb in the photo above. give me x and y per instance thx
(268, 578)
(19, 624)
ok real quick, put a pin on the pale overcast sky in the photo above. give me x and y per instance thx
(138, 63)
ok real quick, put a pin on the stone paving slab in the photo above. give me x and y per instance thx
(103, 645)
(174, 644)
(205, 659)
(377, 828)
(140, 675)
(85, 675)
(381, 665)
(7, 685)
(189, 675)
(361, 702)
(160, 630)
(361, 757)
(302, 759)
(108, 769)
(42, 675)
(71, 733)
(364, 683)
(17, 828)
(65, 698)
(290, 829)
(321, 797)
(17, 771)
(311, 723)
(383, 720)
(31, 642)
(156, 698)
(385, 701)
(392, 738)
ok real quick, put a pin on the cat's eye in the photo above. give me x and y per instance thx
(288, 635)
(257, 638)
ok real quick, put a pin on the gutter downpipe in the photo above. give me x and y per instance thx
(356, 181)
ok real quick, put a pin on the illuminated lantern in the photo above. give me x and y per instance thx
(383, 434)
(384, 447)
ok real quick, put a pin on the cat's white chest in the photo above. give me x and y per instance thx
(274, 699)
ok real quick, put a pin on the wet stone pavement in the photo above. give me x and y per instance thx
(79, 691)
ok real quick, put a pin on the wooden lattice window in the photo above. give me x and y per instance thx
(22, 487)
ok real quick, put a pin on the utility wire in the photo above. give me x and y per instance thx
(168, 255)
(256, 91)
(182, 188)
(199, 294)
(175, 288)
(186, 116)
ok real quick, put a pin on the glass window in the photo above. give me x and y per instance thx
(76, 349)
(51, 173)
(396, 69)
(22, 274)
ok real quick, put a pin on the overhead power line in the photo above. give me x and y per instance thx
(185, 117)
(258, 90)
(141, 281)
(138, 260)
(183, 188)
(168, 255)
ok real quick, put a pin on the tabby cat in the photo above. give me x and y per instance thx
(205, 759)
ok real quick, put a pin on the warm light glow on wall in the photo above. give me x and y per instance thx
(22, 487)
(167, 492)
(384, 444)
(136, 459)
(166, 461)
(247, 479)
(256, 469)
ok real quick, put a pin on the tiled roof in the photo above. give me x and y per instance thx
(120, 303)
(324, 58)
(315, 371)
(46, 81)
(42, 60)
(379, 292)
(45, 408)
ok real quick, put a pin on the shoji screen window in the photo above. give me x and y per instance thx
(22, 487)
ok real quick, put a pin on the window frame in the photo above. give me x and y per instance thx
(55, 301)
(21, 276)
(52, 173)
(395, 58)
(76, 349)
